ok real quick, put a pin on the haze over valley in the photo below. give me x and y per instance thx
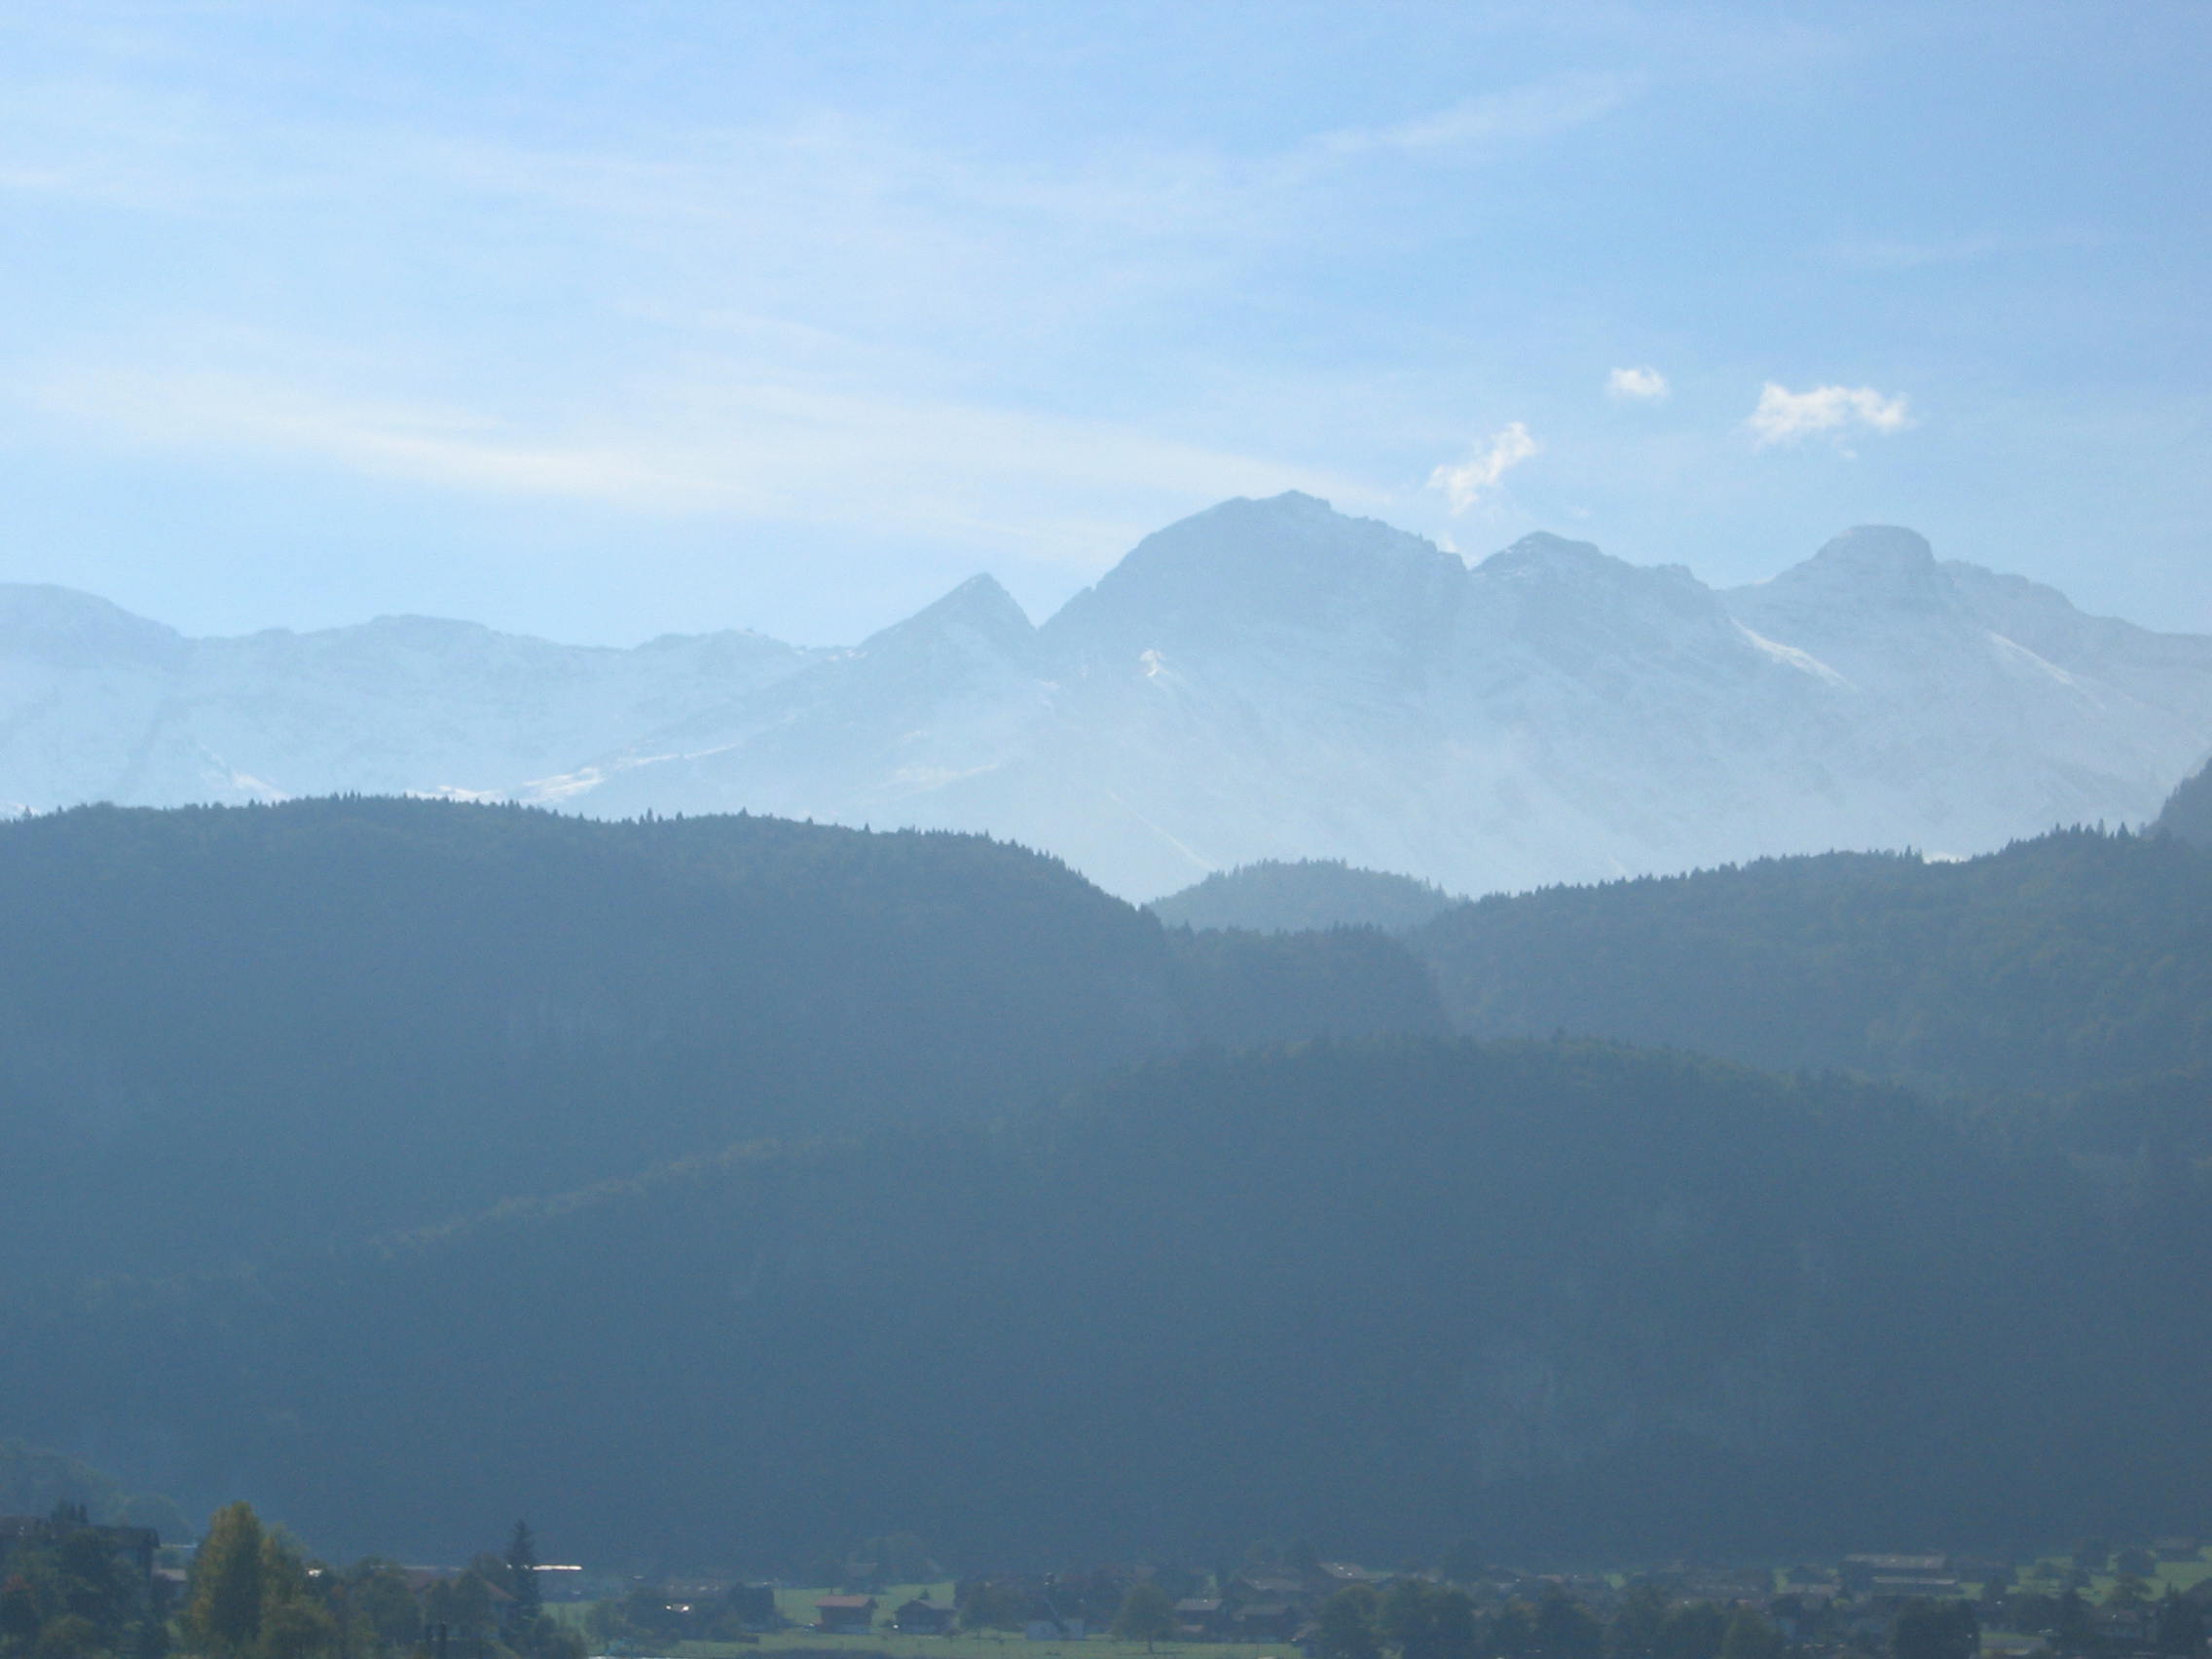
(1105, 829)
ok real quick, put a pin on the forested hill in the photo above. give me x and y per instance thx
(2078, 959)
(2188, 812)
(231, 1031)
(1557, 1298)
(728, 1189)
(1276, 896)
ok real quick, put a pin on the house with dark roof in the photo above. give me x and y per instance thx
(845, 1615)
(918, 1617)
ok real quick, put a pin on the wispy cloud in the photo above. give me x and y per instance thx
(1465, 484)
(1907, 255)
(1646, 385)
(1787, 416)
(1040, 485)
(1515, 115)
(841, 320)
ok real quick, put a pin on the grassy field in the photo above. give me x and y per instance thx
(798, 1606)
(2170, 1574)
(973, 1645)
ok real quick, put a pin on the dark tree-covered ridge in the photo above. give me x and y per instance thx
(1562, 1297)
(729, 1188)
(1279, 896)
(2077, 959)
(2188, 812)
(227, 1032)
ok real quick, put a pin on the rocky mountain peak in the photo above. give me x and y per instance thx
(977, 622)
(979, 603)
(1290, 559)
(46, 623)
(1870, 564)
(1540, 553)
(1573, 583)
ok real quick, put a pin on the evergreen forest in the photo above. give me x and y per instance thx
(730, 1188)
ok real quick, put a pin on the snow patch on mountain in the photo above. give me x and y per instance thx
(1803, 661)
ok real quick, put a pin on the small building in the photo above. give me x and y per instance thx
(918, 1617)
(2131, 1627)
(1268, 1585)
(1860, 1571)
(1264, 1621)
(1900, 1587)
(845, 1615)
(1201, 1616)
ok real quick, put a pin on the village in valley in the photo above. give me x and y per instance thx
(71, 1588)
(2153, 1600)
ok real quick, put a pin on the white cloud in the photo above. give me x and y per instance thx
(1646, 385)
(1464, 484)
(1785, 417)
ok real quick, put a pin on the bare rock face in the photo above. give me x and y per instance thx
(1264, 681)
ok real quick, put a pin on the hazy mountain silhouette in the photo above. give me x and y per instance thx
(1266, 680)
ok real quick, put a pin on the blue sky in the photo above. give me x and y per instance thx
(603, 321)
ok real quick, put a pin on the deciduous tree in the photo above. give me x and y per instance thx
(1347, 1626)
(224, 1612)
(1147, 1613)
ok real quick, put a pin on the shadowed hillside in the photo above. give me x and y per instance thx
(1549, 1297)
(725, 1189)
(1273, 897)
(2188, 812)
(2076, 959)
(229, 1031)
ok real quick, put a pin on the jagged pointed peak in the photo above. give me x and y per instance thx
(980, 605)
(982, 598)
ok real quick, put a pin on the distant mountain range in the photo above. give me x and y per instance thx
(1264, 680)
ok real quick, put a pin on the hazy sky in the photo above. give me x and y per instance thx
(604, 320)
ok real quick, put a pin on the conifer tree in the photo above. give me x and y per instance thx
(522, 1573)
